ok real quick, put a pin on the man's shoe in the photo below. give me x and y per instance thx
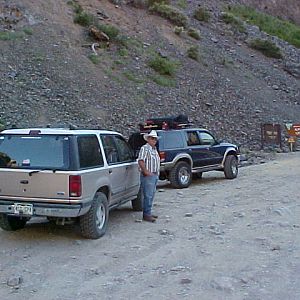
(149, 218)
(155, 216)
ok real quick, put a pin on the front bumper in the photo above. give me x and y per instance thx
(47, 209)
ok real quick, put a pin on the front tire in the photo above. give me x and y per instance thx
(231, 167)
(94, 223)
(181, 175)
(12, 223)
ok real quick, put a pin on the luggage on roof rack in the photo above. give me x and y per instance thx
(172, 122)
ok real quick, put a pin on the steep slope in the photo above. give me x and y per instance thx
(47, 76)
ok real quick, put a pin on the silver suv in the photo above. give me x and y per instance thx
(65, 174)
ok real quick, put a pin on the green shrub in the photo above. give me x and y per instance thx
(235, 22)
(182, 4)
(193, 52)
(201, 14)
(285, 30)
(161, 80)
(129, 42)
(163, 65)
(171, 13)
(178, 30)
(11, 35)
(194, 33)
(28, 31)
(152, 2)
(110, 30)
(76, 6)
(118, 62)
(130, 45)
(95, 59)
(130, 76)
(84, 19)
(123, 52)
(268, 48)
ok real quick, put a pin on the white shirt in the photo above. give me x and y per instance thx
(150, 157)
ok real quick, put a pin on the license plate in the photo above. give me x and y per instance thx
(23, 209)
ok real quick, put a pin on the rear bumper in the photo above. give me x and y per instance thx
(47, 209)
(166, 166)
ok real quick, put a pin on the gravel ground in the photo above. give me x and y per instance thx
(218, 239)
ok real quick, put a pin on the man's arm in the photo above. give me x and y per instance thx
(143, 168)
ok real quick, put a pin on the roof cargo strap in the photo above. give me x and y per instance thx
(172, 122)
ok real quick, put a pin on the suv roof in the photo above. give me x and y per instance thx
(62, 131)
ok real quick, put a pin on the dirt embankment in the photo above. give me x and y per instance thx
(218, 239)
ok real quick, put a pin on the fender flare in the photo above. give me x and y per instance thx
(229, 151)
(183, 156)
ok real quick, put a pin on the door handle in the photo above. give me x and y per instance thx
(24, 181)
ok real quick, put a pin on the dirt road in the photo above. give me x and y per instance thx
(218, 239)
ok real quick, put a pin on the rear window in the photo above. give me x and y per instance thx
(136, 141)
(171, 140)
(29, 152)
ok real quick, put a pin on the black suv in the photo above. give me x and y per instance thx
(185, 151)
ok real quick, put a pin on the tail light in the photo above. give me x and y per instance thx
(162, 156)
(164, 126)
(75, 186)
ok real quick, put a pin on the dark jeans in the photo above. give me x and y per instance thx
(149, 187)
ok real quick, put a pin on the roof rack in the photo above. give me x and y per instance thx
(166, 123)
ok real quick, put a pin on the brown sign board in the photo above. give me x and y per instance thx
(271, 134)
(293, 129)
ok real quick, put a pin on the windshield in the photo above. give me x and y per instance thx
(34, 152)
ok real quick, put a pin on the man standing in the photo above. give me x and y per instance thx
(149, 163)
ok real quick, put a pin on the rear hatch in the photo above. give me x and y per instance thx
(34, 166)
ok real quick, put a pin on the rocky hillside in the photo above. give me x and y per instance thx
(55, 71)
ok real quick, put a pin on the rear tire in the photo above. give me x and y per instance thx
(181, 175)
(12, 223)
(231, 167)
(94, 223)
(137, 203)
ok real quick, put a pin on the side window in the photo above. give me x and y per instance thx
(110, 149)
(206, 138)
(89, 152)
(192, 138)
(125, 152)
(172, 140)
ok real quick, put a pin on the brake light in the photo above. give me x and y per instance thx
(162, 156)
(75, 186)
(164, 126)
